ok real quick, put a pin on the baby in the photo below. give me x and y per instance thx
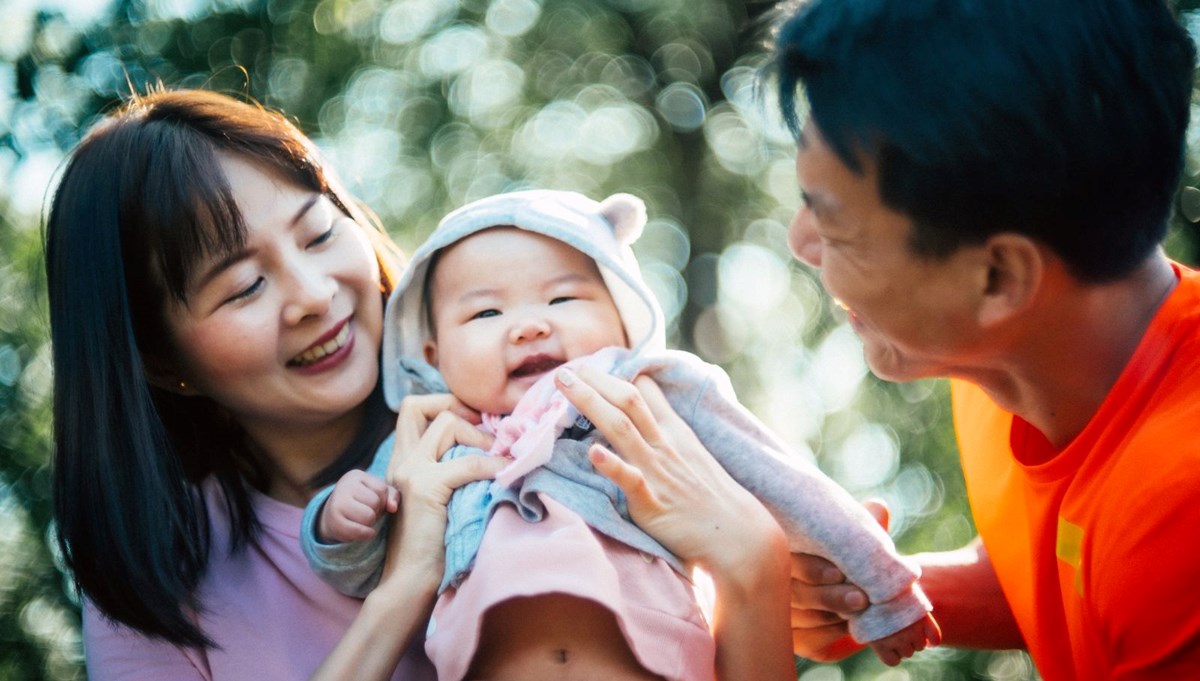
(544, 562)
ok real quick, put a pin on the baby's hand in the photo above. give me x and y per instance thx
(354, 506)
(906, 642)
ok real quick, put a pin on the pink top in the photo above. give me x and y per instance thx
(527, 435)
(270, 615)
(654, 606)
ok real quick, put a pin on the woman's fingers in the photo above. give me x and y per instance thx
(684, 500)
(418, 411)
(630, 479)
(428, 425)
(469, 468)
(615, 407)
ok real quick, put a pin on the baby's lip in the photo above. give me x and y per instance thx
(536, 364)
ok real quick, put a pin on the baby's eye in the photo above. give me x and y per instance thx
(561, 299)
(484, 314)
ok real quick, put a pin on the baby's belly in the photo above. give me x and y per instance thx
(553, 637)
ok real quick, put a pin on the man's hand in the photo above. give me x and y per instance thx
(821, 601)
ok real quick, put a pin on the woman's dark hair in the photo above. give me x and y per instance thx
(142, 199)
(1058, 119)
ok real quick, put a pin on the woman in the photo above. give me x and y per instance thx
(216, 304)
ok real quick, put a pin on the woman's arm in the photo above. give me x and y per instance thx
(679, 495)
(399, 606)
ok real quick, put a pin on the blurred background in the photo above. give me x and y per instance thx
(422, 105)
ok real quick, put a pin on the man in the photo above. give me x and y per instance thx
(986, 186)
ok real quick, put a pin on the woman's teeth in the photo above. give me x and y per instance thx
(329, 347)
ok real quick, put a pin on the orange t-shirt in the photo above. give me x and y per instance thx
(1097, 546)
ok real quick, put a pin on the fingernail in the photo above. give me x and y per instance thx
(566, 377)
(856, 600)
(597, 454)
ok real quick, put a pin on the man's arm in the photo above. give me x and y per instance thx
(967, 600)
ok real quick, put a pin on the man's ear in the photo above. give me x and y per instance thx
(1016, 266)
(431, 353)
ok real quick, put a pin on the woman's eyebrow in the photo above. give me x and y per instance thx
(228, 260)
(232, 258)
(308, 204)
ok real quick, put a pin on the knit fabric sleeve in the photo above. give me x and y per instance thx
(818, 516)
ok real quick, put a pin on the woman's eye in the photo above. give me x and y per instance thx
(325, 236)
(247, 292)
(484, 314)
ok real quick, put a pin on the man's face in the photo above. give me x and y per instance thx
(916, 315)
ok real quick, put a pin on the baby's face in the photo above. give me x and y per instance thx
(510, 306)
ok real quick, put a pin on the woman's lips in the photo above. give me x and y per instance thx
(331, 346)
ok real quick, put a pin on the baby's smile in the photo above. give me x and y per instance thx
(536, 364)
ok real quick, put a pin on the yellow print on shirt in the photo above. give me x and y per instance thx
(1069, 549)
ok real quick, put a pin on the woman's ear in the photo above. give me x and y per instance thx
(1016, 267)
(163, 377)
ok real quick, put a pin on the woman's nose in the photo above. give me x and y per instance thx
(310, 293)
(529, 327)
(803, 238)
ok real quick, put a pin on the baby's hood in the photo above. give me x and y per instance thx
(603, 230)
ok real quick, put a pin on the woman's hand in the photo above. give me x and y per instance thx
(396, 611)
(679, 495)
(427, 427)
(676, 491)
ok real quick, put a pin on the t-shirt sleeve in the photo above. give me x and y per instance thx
(117, 653)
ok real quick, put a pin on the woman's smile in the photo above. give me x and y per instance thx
(324, 353)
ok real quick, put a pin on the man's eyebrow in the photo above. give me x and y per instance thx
(817, 201)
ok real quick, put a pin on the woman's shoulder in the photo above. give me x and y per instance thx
(272, 517)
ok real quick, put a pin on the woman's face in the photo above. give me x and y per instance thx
(285, 333)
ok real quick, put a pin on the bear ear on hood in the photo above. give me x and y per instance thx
(627, 215)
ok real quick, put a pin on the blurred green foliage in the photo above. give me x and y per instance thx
(425, 104)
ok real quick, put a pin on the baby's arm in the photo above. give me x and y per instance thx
(352, 567)
(906, 642)
(354, 507)
(818, 515)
